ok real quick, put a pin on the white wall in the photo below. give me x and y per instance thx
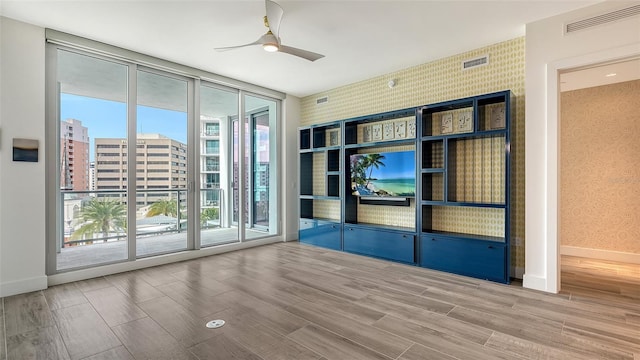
(548, 51)
(290, 203)
(22, 224)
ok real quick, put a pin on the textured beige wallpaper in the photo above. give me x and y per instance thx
(600, 168)
(433, 82)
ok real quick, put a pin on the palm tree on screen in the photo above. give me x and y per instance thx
(372, 161)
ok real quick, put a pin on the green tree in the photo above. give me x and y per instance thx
(207, 215)
(163, 207)
(100, 216)
(372, 161)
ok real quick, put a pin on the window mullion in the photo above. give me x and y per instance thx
(131, 193)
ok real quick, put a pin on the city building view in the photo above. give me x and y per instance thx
(161, 180)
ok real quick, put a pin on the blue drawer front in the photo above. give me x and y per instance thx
(320, 233)
(383, 244)
(477, 258)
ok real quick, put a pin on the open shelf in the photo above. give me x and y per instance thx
(478, 221)
(433, 154)
(448, 118)
(476, 170)
(305, 139)
(433, 186)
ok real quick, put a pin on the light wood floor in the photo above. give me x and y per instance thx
(292, 301)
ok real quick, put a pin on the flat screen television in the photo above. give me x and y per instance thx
(384, 174)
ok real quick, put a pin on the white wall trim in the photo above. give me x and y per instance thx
(111, 269)
(552, 149)
(23, 286)
(534, 282)
(600, 254)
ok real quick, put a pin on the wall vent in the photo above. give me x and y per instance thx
(474, 63)
(322, 100)
(602, 19)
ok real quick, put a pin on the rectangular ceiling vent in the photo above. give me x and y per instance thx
(322, 100)
(474, 63)
(602, 19)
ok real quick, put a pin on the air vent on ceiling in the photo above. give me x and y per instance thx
(473, 63)
(322, 100)
(602, 19)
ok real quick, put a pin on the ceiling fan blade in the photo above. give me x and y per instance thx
(274, 14)
(257, 42)
(309, 55)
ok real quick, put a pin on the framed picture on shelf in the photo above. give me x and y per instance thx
(446, 123)
(387, 131)
(465, 121)
(376, 132)
(400, 129)
(334, 137)
(366, 133)
(497, 118)
(411, 129)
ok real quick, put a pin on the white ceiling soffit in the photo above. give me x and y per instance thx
(599, 75)
(360, 39)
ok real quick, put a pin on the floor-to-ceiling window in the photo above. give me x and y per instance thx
(92, 98)
(260, 165)
(128, 180)
(218, 106)
(161, 163)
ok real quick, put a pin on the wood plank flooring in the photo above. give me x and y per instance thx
(293, 301)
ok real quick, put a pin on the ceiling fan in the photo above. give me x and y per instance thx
(271, 40)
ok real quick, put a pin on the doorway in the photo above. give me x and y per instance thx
(599, 176)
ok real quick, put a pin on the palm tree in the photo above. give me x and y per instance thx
(372, 161)
(101, 216)
(163, 207)
(208, 214)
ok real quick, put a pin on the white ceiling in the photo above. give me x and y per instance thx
(360, 39)
(600, 74)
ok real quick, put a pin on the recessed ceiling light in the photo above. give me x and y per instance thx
(611, 74)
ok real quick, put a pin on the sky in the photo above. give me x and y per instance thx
(108, 119)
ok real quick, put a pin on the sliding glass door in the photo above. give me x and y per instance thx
(260, 166)
(128, 181)
(161, 160)
(92, 192)
(218, 108)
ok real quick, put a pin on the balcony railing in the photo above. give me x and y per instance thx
(100, 216)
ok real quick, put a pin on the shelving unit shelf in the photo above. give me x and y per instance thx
(458, 220)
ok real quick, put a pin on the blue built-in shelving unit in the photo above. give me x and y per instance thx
(462, 204)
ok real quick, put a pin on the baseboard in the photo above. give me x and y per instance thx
(23, 286)
(536, 283)
(600, 254)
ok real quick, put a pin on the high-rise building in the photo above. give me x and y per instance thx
(161, 163)
(74, 155)
(210, 160)
(92, 175)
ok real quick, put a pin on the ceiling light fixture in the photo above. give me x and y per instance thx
(270, 47)
(270, 41)
(611, 75)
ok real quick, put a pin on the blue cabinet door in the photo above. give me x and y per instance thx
(476, 258)
(390, 245)
(320, 233)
